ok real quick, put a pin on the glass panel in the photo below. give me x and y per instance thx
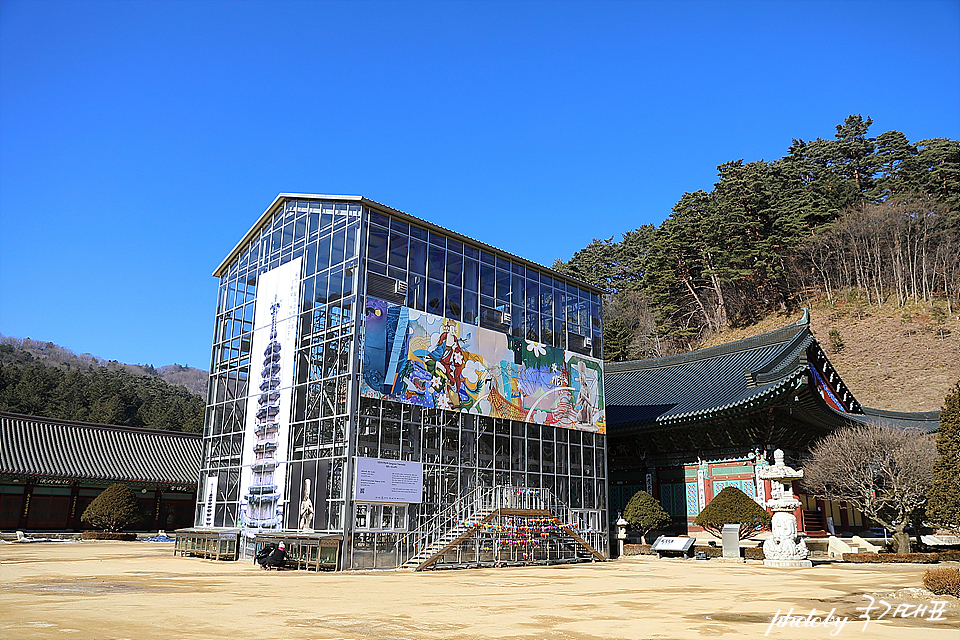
(435, 297)
(323, 253)
(454, 302)
(454, 269)
(416, 292)
(418, 257)
(377, 244)
(503, 286)
(471, 273)
(436, 263)
(488, 280)
(470, 307)
(398, 250)
(337, 246)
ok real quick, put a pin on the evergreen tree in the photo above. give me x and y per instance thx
(645, 514)
(943, 501)
(733, 506)
(112, 510)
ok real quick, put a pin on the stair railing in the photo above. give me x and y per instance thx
(481, 501)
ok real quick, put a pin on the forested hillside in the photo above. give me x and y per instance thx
(874, 220)
(84, 388)
(50, 354)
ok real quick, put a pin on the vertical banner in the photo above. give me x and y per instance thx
(263, 476)
(209, 501)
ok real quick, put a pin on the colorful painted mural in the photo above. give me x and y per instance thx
(419, 358)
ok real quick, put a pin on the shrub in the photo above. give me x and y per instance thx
(733, 506)
(112, 510)
(942, 581)
(644, 514)
(107, 535)
(949, 555)
(750, 553)
(836, 341)
(881, 558)
(753, 553)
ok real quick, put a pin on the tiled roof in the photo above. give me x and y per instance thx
(927, 421)
(47, 447)
(729, 378)
(707, 381)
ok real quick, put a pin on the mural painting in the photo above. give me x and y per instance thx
(418, 358)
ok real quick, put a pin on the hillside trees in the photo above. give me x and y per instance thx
(878, 215)
(101, 396)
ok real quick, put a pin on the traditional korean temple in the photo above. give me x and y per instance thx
(684, 427)
(51, 470)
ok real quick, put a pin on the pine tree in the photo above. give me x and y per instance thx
(943, 500)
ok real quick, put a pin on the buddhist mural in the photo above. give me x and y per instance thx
(418, 358)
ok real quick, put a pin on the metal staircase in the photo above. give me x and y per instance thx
(442, 533)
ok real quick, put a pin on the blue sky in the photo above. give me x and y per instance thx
(140, 140)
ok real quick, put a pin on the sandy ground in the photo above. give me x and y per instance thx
(140, 591)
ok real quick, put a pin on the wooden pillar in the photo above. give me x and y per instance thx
(844, 516)
(798, 512)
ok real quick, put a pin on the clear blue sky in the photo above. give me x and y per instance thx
(139, 140)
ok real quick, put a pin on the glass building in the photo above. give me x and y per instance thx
(381, 378)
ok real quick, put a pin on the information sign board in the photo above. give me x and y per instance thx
(380, 480)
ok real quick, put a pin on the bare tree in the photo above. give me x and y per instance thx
(882, 470)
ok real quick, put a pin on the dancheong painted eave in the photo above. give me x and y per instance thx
(382, 208)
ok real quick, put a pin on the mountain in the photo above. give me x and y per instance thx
(25, 351)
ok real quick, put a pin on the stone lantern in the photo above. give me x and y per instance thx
(784, 548)
(621, 532)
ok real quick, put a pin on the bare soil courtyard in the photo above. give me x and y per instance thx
(140, 591)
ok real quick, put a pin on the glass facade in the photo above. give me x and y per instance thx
(338, 266)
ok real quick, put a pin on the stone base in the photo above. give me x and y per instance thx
(787, 563)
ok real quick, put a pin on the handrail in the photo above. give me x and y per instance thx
(477, 504)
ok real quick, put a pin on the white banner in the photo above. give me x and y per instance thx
(263, 476)
(381, 480)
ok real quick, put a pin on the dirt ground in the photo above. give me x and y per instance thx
(140, 591)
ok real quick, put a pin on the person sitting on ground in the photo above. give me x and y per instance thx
(275, 559)
(264, 551)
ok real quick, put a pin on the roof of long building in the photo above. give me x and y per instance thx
(738, 377)
(47, 447)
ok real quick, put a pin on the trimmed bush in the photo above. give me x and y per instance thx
(733, 506)
(750, 553)
(106, 535)
(112, 510)
(942, 581)
(644, 514)
(881, 558)
(754, 553)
